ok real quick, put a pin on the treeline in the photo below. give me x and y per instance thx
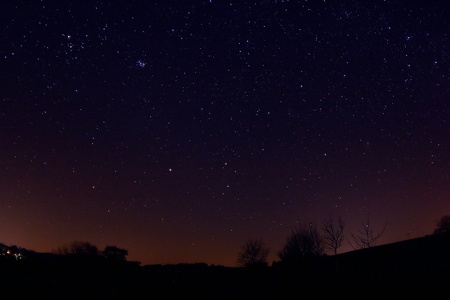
(80, 269)
(310, 241)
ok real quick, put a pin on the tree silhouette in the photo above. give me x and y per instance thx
(333, 233)
(78, 248)
(115, 253)
(366, 238)
(253, 254)
(443, 225)
(305, 241)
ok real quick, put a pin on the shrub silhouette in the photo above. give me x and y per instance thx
(253, 254)
(443, 225)
(305, 241)
(115, 253)
(78, 248)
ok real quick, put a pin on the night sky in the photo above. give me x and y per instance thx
(180, 129)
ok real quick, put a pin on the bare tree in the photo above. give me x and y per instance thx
(253, 253)
(305, 241)
(443, 225)
(333, 233)
(366, 238)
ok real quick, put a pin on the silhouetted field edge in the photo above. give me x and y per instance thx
(421, 264)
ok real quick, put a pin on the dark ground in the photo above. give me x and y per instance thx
(419, 268)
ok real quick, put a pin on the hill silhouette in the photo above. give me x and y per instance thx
(411, 266)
